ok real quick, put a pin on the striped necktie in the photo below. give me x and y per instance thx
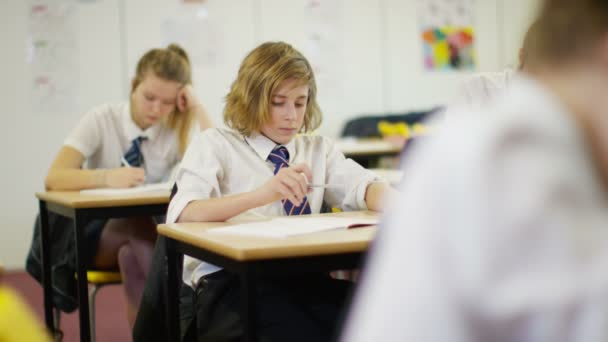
(134, 156)
(280, 158)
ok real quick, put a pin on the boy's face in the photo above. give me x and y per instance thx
(287, 111)
(153, 99)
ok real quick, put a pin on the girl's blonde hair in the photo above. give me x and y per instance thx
(262, 71)
(171, 64)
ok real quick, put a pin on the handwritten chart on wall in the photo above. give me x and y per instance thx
(324, 43)
(52, 48)
(447, 34)
(195, 28)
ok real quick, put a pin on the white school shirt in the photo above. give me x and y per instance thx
(106, 133)
(499, 234)
(221, 162)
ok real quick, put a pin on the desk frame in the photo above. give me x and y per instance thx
(81, 217)
(248, 271)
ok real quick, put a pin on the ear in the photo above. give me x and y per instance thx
(134, 84)
(602, 50)
(521, 56)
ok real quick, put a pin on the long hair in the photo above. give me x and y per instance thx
(170, 64)
(261, 72)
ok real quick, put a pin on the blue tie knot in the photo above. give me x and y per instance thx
(279, 157)
(134, 156)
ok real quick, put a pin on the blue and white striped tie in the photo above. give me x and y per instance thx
(134, 156)
(280, 158)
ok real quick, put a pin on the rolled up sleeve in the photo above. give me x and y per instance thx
(198, 175)
(351, 177)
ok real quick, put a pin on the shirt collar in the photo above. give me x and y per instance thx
(263, 146)
(133, 131)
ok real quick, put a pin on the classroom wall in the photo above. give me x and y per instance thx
(378, 63)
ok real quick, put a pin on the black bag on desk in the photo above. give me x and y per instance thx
(63, 256)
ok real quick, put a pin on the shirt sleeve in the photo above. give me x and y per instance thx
(352, 180)
(199, 174)
(86, 136)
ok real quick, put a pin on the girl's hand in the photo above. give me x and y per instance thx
(289, 183)
(124, 177)
(186, 99)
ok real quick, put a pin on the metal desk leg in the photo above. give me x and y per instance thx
(248, 293)
(47, 281)
(172, 296)
(83, 287)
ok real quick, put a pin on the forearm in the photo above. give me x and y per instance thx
(75, 179)
(221, 209)
(376, 194)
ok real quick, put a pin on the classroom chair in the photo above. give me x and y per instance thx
(97, 279)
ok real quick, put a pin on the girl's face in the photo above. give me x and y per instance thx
(153, 100)
(287, 111)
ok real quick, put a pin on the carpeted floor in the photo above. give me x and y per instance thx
(111, 324)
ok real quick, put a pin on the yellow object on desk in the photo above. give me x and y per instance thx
(386, 128)
(402, 129)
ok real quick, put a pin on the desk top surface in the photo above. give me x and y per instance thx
(362, 147)
(76, 200)
(249, 248)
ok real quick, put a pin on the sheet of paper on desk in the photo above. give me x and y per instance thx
(296, 225)
(127, 191)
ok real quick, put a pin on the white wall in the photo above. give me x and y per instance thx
(381, 71)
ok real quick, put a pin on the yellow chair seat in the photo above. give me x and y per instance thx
(101, 277)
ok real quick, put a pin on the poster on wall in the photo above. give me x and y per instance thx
(324, 45)
(52, 56)
(447, 33)
(195, 29)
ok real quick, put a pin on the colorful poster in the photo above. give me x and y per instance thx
(447, 34)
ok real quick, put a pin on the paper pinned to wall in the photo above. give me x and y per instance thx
(194, 27)
(447, 33)
(52, 54)
(324, 45)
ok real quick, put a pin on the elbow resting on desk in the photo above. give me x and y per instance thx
(376, 195)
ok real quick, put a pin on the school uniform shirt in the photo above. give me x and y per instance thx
(499, 234)
(480, 89)
(106, 133)
(221, 162)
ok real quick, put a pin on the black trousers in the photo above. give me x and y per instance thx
(304, 308)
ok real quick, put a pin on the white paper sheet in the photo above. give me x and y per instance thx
(285, 227)
(128, 191)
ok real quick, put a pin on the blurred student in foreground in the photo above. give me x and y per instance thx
(502, 232)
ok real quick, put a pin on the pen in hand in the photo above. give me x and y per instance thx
(125, 163)
(310, 185)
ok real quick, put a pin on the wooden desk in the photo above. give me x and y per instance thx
(367, 147)
(251, 257)
(82, 209)
(364, 151)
